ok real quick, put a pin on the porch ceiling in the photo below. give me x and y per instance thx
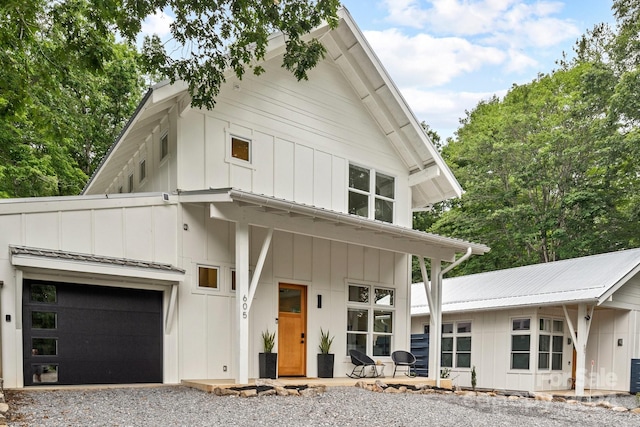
(284, 215)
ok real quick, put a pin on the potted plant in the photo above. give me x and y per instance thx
(325, 359)
(268, 361)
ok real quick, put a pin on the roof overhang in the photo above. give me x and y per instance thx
(39, 259)
(284, 215)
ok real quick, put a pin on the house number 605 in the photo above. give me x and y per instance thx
(244, 307)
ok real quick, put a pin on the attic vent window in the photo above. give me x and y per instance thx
(131, 183)
(143, 170)
(241, 149)
(371, 193)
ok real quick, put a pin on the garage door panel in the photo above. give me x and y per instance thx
(103, 335)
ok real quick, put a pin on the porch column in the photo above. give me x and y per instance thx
(242, 300)
(435, 321)
(580, 337)
(584, 323)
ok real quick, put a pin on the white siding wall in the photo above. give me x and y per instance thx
(304, 134)
(207, 318)
(491, 347)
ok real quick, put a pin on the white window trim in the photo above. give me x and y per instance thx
(454, 352)
(550, 333)
(532, 342)
(228, 158)
(371, 307)
(371, 194)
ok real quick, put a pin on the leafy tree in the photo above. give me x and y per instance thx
(65, 90)
(540, 169)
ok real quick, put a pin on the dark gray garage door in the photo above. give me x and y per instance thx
(82, 334)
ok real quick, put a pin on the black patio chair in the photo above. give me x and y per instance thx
(404, 358)
(361, 361)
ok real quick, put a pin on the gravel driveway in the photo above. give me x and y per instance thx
(339, 406)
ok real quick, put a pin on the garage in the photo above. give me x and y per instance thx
(87, 334)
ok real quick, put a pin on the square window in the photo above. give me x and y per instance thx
(357, 342)
(384, 297)
(358, 204)
(447, 328)
(241, 149)
(463, 360)
(359, 294)
(520, 361)
(357, 320)
(164, 146)
(558, 326)
(520, 342)
(382, 345)
(447, 344)
(208, 277)
(383, 321)
(384, 210)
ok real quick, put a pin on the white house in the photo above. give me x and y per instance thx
(554, 326)
(286, 208)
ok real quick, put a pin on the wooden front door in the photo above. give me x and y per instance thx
(292, 330)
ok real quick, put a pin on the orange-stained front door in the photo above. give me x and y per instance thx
(292, 330)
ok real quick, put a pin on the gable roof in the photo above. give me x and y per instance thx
(588, 279)
(431, 179)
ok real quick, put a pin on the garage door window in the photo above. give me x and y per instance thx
(44, 320)
(43, 293)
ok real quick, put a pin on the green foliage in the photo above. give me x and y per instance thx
(542, 172)
(67, 87)
(231, 34)
(268, 341)
(325, 342)
(445, 372)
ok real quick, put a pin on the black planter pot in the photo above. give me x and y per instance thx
(268, 365)
(325, 365)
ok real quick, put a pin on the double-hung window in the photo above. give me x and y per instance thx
(371, 193)
(456, 345)
(370, 315)
(520, 343)
(550, 339)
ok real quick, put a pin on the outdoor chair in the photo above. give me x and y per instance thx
(361, 361)
(404, 358)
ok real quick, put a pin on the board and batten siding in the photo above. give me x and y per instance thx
(207, 317)
(143, 228)
(304, 134)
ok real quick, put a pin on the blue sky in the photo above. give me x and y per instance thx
(447, 55)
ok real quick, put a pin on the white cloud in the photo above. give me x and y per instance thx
(159, 23)
(423, 60)
(442, 110)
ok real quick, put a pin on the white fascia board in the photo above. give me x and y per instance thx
(424, 175)
(27, 261)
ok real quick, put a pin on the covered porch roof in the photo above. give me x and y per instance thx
(285, 215)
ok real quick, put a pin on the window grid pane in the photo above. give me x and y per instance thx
(384, 297)
(383, 321)
(240, 149)
(357, 320)
(359, 178)
(208, 277)
(359, 294)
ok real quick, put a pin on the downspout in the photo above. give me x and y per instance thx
(438, 306)
(459, 261)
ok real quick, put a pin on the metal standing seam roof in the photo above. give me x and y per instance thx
(100, 259)
(562, 282)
